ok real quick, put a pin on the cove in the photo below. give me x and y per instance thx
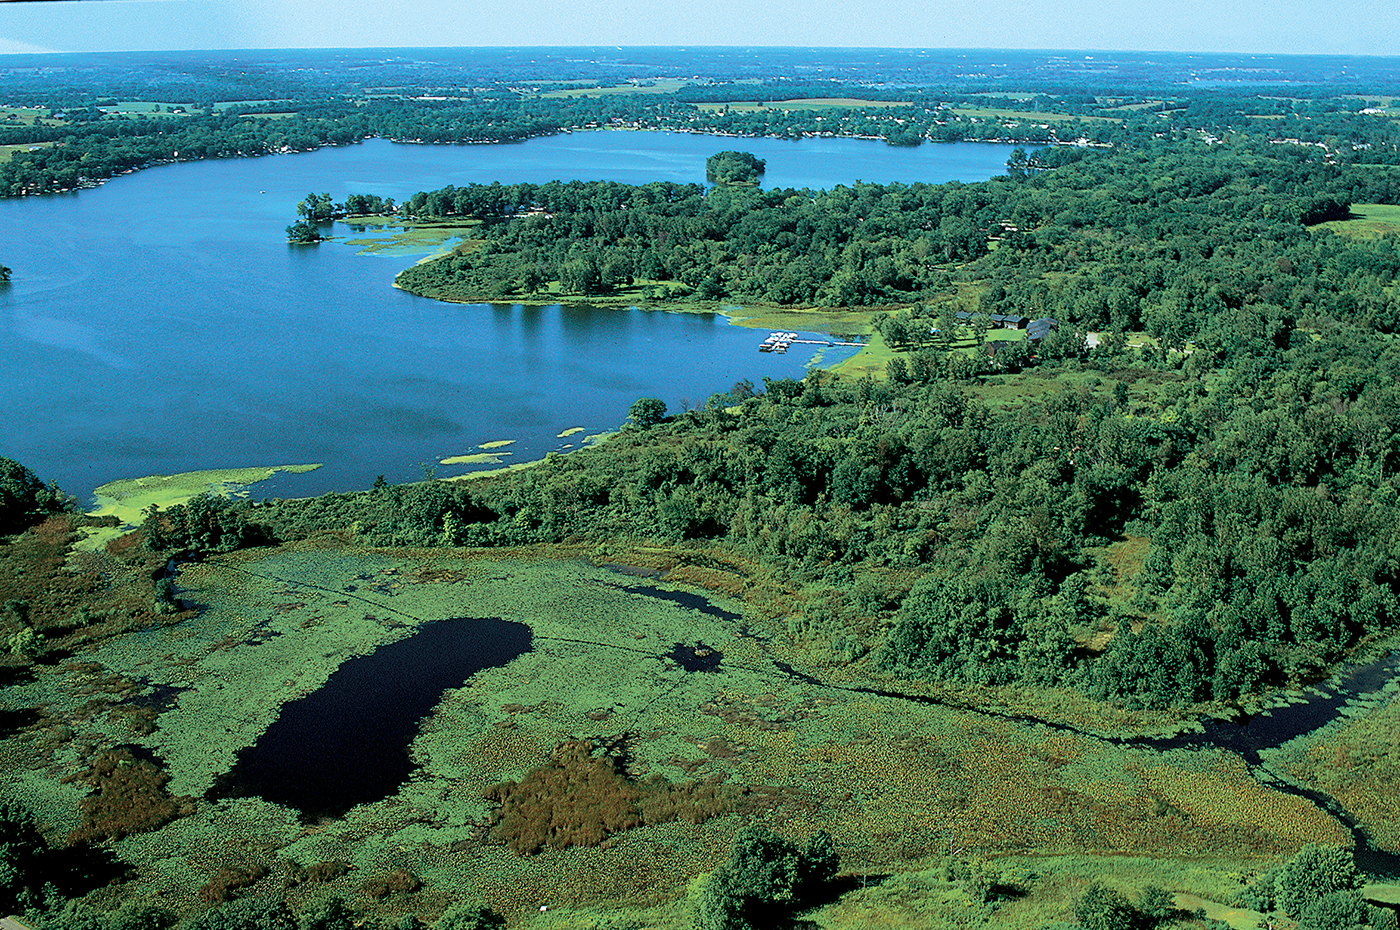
(161, 323)
(347, 742)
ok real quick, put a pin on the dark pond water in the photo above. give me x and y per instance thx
(161, 323)
(696, 658)
(347, 742)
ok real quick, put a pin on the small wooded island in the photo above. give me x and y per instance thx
(733, 168)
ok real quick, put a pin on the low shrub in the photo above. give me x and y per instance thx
(130, 798)
(583, 796)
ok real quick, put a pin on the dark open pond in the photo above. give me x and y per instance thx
(347, 742)
(161, 323)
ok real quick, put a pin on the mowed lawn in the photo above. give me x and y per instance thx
(1368, 221)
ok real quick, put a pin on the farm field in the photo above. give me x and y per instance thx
(1002, 113)
(805, 103)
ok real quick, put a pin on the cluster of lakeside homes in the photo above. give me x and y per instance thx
(1036, 330)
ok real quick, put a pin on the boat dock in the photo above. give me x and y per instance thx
(779, 342)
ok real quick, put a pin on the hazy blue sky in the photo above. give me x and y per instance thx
(1361, 27)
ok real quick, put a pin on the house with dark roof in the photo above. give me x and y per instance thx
(1039, 329)
(1009, 321)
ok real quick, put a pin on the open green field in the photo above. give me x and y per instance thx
(907, 788)
(25, 116)
(149, 108)
(7, 150)
(661, 86)
(1368, 221)
(1030, 117)
(801, 103)
(1131, 107)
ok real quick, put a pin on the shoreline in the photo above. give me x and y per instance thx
(93, 183)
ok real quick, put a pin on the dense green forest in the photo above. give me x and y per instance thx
(1163, 223)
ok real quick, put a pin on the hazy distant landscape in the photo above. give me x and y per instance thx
(716, 487)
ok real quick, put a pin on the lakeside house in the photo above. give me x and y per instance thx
(1039, 329)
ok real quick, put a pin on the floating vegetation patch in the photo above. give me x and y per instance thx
(496, 444)
(475, 458)
(697, 658)
(583, 796)
(128, 498)
(129, 797)
(398, 241)
(569, 432)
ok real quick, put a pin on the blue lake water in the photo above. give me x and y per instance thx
(161, 323)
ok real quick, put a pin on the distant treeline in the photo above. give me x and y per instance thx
(236, 111)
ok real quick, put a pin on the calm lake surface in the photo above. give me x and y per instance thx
(161, 323)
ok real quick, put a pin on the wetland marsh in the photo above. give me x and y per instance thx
(686, 684)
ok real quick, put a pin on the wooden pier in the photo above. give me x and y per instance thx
(779, 342)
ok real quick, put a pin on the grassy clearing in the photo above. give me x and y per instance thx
(161, 108)
(25, 116)
(1009, 392)
(1044, 891)
(7, 150)
(1368, 221)
(661, 86)
(1028, 116)
(809, 320)
(802, 103)
(869, 361)
(1131, 107)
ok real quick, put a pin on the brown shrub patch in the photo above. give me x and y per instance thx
(399, 881)
(582, 797)
(327, 871)
(225, 882)
(141, 720)
(130, 798)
